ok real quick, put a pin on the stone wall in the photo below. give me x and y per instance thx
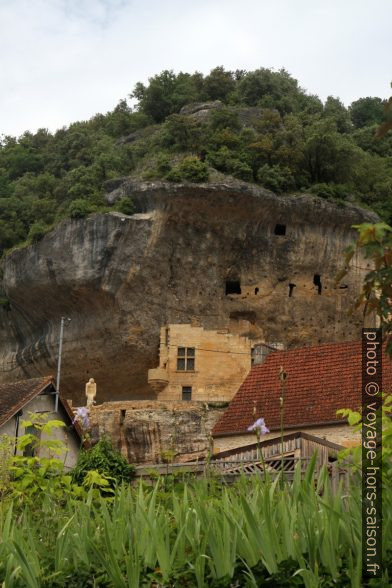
(152, 431)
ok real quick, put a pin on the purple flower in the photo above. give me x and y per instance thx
(259, 427)
(82, 415)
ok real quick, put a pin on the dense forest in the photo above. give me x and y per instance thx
(262, 128)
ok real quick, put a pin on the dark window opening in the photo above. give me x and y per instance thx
(187, 393)
(186, 359)
(122, 416)
(256, 290)
(317, 283)
(291, 289)
(233, 287)
(280, 230)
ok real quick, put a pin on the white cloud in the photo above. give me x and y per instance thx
(65, 60)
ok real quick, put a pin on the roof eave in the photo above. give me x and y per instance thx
(15, 409)
(286, 428)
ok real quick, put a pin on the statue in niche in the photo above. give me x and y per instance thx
(91, 392)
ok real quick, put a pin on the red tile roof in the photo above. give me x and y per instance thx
(16, 395)
(320, 380)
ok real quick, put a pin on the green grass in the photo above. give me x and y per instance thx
(191, 533)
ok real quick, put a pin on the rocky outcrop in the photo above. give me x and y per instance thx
(151, 432)
(187, 253)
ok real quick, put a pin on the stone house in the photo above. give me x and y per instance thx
(320, 380)
(199, 365)
(37, 396)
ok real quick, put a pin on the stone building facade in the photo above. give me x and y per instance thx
(196, 364)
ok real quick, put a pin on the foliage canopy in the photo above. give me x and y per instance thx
(259, 126)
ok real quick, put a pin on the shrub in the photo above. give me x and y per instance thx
(125, 205)
(241, 170)
(276, 178)
(163, 164)
(226, 161)
(80, 208)
(190, 169)
(174, 175)
(193, 170)
(338, 191)
(37, 231)
(106, 460)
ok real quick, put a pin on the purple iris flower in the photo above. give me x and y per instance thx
(82, 415)
(259, 427)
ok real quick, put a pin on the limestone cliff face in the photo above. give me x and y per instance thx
(119, 278)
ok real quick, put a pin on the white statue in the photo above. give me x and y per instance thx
(91, 392)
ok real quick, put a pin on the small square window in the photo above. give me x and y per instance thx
(190, 364)
(190, 351)
(187, 393)
(181, 352)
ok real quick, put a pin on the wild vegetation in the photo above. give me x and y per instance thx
(92, 527)
(265, 129)
(193, 534)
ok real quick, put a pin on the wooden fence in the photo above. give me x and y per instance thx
(255, 459)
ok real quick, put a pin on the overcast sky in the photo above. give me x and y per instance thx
(66, 60)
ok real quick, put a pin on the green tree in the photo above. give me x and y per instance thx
(218, 85)
(367, 111)
(328, 155)
(334, 109)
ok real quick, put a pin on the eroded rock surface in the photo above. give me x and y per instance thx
(151, 432)
(120, 278)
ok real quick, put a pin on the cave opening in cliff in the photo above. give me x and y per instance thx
(280, 229)
(291, 289)
(233, 287)
(317, 283)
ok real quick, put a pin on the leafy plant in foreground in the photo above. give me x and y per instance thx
(106, 460)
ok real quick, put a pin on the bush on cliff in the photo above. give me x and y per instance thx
(80, 208)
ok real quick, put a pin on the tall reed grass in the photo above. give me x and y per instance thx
(198, 533)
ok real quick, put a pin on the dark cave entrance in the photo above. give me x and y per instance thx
(280, 229)
(233, 287)
(317, 283)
